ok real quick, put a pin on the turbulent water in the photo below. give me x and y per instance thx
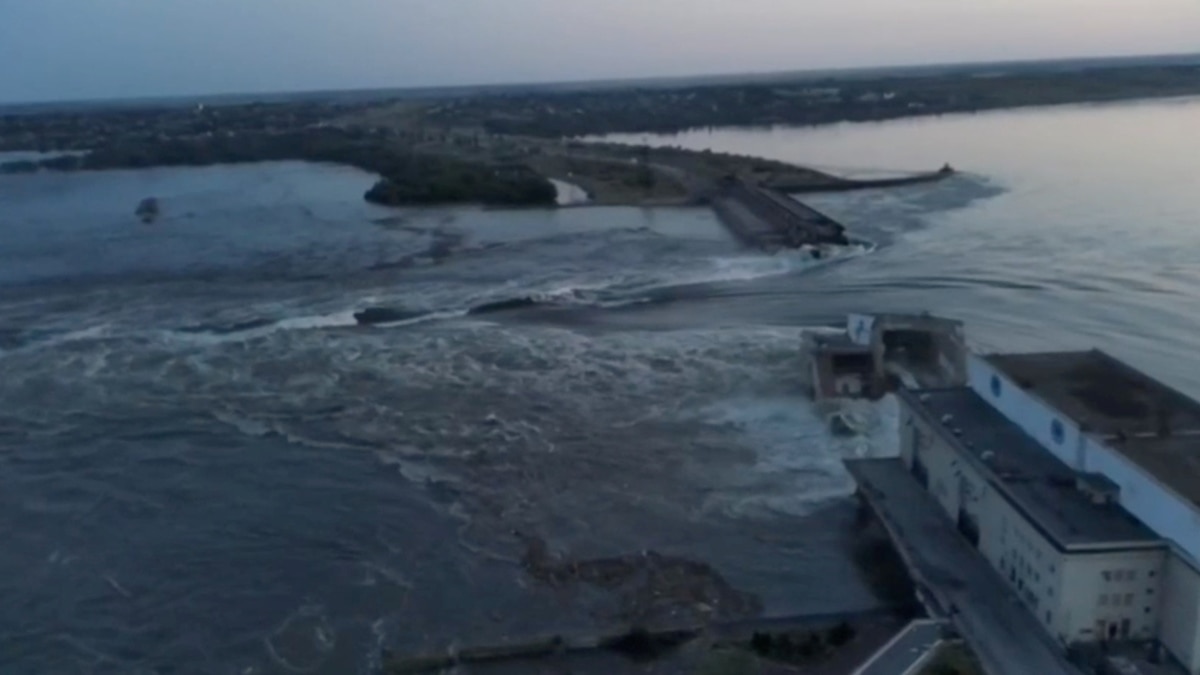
(210, 467)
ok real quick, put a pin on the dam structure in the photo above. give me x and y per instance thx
(764, 218)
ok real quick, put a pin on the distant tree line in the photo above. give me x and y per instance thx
(407, 178)
(804, 102)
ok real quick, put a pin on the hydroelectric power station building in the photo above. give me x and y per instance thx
(1077, 478)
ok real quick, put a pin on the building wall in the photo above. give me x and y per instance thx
(1179, 629)
(1066, 592)
(1053, 431)
(1027, 561)
(1069, 592)
(953, 481)
(1168, 514)
(1112, 595)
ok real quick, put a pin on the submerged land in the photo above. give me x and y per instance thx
(500, 146)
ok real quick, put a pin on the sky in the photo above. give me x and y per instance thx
(96, 49)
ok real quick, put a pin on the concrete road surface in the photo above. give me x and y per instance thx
(899, 656)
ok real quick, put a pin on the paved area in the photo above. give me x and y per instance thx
(1007, 640)
(905, 651)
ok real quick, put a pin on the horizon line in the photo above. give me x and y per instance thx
(666, 81)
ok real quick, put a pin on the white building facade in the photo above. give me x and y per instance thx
(1123, 441)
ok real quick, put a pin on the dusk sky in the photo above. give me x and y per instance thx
(84, 49)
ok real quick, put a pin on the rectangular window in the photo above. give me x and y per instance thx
(1107, 574)
(1129, 599)
(1103, 599)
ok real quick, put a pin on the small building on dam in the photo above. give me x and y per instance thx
(1077, 478)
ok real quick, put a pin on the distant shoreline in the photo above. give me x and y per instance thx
(806, 103)
(506, 150)
(380, 94)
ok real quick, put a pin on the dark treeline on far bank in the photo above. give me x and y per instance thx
(408, 178)
(805, 101)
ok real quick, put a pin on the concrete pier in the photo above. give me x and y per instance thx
(849, 184)
(764, 218)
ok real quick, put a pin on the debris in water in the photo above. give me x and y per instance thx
(148, 210)
(117, 587)
(649, 587)
(840, 426)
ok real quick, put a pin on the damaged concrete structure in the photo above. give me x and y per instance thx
(878, 352)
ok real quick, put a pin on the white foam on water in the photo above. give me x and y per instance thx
(334, 320)
(243, 424)
(424, 318)
(569, 194)
(89, 333)
(760, 266)
(797, 463)
(340, 319)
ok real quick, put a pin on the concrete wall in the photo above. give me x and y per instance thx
(1030, 565)
(1179, 629)
(1069, 592)
(825, 383)
(1066, 592)
(1112, 588)
(952, 480)
(1168, 514)
(1052, 430)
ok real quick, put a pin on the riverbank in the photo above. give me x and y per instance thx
(808, 100)
(835, 643)
(501, 146)
(454, 167)
(406, 177)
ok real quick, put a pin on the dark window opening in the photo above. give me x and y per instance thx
(853, 363)
(910, 346)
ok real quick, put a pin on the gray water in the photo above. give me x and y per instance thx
(1091, 237)
(209, 467)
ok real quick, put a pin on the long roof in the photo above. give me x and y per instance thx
(1035, 482)
(1152, 424)
(1103, 394)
